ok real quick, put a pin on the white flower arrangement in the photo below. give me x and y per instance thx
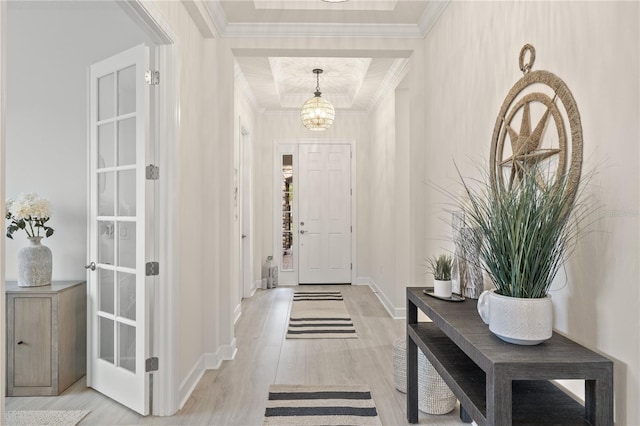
(29, 212)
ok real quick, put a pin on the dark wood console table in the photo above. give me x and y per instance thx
(498, 383)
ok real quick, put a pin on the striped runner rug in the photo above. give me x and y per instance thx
(319, 315)
(320, 405)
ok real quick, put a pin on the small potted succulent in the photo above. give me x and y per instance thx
(440, 267)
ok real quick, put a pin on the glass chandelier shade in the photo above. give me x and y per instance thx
(317, 113)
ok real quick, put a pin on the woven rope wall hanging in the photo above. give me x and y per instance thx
(533, 119)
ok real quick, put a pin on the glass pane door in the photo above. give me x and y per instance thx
(287, 213)
(116, 178)
(119, 115)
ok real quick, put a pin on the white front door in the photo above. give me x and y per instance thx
(118, 207)
(324, 223)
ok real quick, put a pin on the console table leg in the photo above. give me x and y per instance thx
(412, 382)
(464, 416)
(598, 400)
(499, 394)
(412, 367)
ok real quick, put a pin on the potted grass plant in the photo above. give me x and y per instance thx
(524, 234)
(441, 269)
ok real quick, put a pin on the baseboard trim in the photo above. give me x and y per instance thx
(363, 281)
(190, 382)
(237, 312)
(395, 313)
(208, 361)
(228, 352)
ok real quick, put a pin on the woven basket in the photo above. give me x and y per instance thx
(434, 396)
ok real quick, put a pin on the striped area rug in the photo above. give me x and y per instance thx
(319, 315)
(320, 405)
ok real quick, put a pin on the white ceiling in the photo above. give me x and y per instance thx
(275, 81)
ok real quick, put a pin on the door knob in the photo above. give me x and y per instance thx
(244, 236)
(91, 266)
(302, 231)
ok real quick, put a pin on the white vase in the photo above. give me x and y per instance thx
(442, 288)
(34, 264)
(517, 320)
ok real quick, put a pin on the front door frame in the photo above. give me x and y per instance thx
(290, 146)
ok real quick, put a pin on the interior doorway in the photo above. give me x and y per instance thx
(85, 31)
(314, 212)
(246, 215)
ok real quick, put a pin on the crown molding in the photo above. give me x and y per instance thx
(431, 14)
(208, 15)
(322, 30)
(394, 76)
(211, 18)
(378, 5)
(245, 89)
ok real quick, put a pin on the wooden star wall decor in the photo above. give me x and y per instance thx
(541, 99)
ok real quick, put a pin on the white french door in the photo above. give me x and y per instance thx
(119, 200)
(324, 223)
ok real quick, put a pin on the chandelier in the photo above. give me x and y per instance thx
(317, 113)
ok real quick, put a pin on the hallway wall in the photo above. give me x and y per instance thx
(203, 201)
(378, 237)
(472, 62)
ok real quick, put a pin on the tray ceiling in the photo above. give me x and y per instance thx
(284, 80)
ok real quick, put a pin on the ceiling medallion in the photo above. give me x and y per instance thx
(550, 105)
(317, 113)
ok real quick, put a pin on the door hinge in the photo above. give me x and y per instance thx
(351, 266)
(152, 268)
(151, 364)
(152, 172)
(350, 191)
(351, 227)
(152, 77)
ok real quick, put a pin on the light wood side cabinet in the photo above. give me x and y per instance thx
(46, 337)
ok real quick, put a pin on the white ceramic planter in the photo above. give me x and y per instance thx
(516, 320)
(442, 288)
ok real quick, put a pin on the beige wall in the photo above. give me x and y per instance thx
(189, 201)
(379, 223)
(471, 58)
(205, 146)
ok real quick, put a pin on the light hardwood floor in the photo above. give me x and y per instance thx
(235, 394)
